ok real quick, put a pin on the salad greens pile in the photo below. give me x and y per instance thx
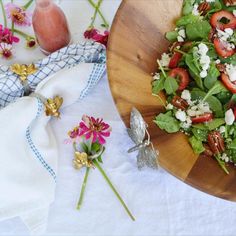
(198, 77)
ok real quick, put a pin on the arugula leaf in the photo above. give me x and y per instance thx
(172, 36)
(198, 30)
(217, 88)
(232, 145)
(167, 122)
(213, 74)
(197, 145)
(158, 85)
(170, 85)
(185, 20)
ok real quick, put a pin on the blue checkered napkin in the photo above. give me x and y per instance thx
(11, 87)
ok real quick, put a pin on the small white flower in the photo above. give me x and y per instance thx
(180, 115)
(203, 74)
(229, 117)
(169, 106)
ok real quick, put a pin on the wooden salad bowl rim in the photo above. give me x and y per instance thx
(136, 41)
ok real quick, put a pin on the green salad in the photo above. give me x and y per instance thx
(198, 76)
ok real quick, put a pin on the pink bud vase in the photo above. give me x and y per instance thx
(50, 26)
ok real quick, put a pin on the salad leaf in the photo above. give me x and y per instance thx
(200, 134)
(198, 30)
(217, 88)
(172, 36)
(188, 7)
(170, 85)
(224, 97)
(197, 145)
(185, 20)
(213, 74)
(229, 60)
(158, 85)
(232, 145)
(211, 125)
(167, 122)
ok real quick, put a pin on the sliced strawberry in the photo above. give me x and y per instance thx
(175, 59)
(222, 50)
(202, 118)
(216, 17)
(182, 75)
(231, 86)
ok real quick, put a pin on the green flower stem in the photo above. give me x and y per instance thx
(161, 68)
(113, 188)
(3, 13)
(27, 5)
(95, 13)
(222, 164)
(26, 36)
(99, 12)
(83, 189)
(12, 27)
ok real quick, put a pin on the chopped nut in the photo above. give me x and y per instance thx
(230, 2)
(203, 8)
(207, 151)
(221, 67)
(179, 103)
(216, 142)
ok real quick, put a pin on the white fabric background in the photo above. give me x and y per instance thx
(162, 204)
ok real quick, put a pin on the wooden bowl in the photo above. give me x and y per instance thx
(136, 41)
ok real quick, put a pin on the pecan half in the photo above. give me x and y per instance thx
(220, 67)
(179, 102)
(216, 142)
(207, 151)
(212, 34)
(230, 2)
(203, 8)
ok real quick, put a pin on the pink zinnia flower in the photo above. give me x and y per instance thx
(6, 36)
(90, 33)
(18, 15)
(6, 50)
(96, 36)
(95, 129)
(74, 133)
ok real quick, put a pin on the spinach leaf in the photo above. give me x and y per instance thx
(211, 125)
(185, 20)
(217, 88)
(229, 60)
(172, 36)
(187, 7)
(194, 72)
(170, 85)
(197, 145)
(167, 122)
(198, 30)
(212, 75)
(200, 134)
(213, 102)
(158, 85)
(224, 97)
(232, 145)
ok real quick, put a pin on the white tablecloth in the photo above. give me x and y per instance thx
(161, 204)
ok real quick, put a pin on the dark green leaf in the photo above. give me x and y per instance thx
(229, 60)
(158, 85)
(167, 122)
(217, 88)
(84, 147)
(170, 85)
(212, 75)
(197, 145)
(215, 123)
(198, 30)
(100, 159)
(188, 19)
(200, 134)
(96, 147)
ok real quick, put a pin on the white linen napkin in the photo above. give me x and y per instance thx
(29, 153)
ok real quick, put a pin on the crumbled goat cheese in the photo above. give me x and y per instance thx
(156, 76)
(234, 12)
(195, 10)
(165, 59)
(231, 71)
(186, 96)
(199, 109)
(224, 157)
(181, 115)
(217, 61)
(210, 1)
(169, 106)
(187, 123)
(224, 37)
(229, 117)
(222, 129)
(181, 35)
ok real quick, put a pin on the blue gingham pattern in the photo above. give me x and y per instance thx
(32, 146)
(11, 87)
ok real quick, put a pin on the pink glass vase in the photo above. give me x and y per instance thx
(50, 26)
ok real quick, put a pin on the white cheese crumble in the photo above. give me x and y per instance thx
(204, 59)
(234, 13)
(181, 35)
(195, 11)
(229, 117)
(181, 115)
(210, 1)
(187, 123)
(217, 61)
(156, 76)
(224, 36)
(199, 109)
(169, 106)
(231, 71)
(222, 129)
(224, 157)
(186, 96)
(165, 59)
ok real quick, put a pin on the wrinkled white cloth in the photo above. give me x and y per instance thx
(29, 151)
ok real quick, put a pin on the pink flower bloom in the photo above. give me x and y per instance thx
(94, 128)
(6, 36)
(18, 15)
(6, 50)
(74, 133)
(96, 36)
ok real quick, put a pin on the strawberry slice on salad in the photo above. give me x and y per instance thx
(222, 49)
(202, 118)
(218, 17)
(182, 77)
(231, 86)
(175, 59)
